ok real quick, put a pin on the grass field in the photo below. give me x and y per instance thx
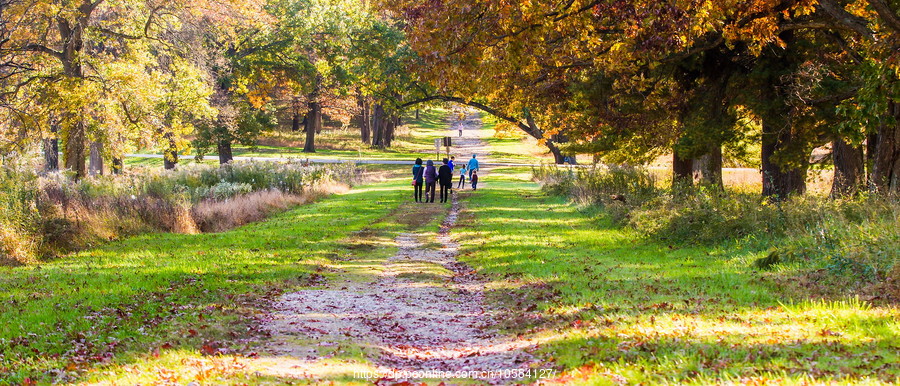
(414, 139)
(162, 298)
(602, 304)
(611, 307)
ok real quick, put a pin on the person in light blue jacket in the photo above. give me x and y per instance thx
(472, 166)
(462, 177)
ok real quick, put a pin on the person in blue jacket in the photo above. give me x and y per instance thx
(473, 166)
(462, 177)
(418, 172)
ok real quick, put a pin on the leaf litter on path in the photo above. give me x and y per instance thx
(409, 325)
(426, 312)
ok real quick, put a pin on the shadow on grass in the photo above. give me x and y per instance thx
(169, 290)
(653, 312)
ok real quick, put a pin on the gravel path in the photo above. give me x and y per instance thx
(425, 313)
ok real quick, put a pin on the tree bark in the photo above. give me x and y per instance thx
(313, 117)
(849, 169)
(224, 149)
(779, 182)
(558, 156)
(871, 146)
(74, 152)
(313, 121)
(886, 161)
(51, 150)
(318, 123)
(390, 124)
(378, 119)
(708, 168)
(96, 158)
(682, 171)
(170, 155)
(117, 165)
(365, 121)
(295, 122)
(417, 114)
(72, 35)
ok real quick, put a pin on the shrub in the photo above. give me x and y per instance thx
(51, 215)
(18, 211)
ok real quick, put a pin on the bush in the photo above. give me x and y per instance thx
(51, 215)
(19, 216)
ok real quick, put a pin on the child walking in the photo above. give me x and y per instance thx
(475, 180)
(462, 177)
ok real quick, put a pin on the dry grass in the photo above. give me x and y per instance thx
(13, 250)
(219, 216)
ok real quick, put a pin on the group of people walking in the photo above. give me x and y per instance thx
(427, 177)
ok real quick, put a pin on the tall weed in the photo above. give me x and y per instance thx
(52, 214)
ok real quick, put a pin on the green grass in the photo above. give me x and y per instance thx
(414, 140)
(610, 306)
(130, 303)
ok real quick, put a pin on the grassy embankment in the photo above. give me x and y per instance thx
(152, 307)
(612, 306)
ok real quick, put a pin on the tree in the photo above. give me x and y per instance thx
(90, 67)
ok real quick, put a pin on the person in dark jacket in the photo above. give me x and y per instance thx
(430, 180)
(475, 180)
(418, 172)
(445, 177)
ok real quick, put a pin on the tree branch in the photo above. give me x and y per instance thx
(42, 49)
(888, 15)
(856, 24)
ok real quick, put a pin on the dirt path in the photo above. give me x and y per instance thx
(424, 317)
(472, 139)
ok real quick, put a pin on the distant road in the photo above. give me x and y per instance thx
(370, 161)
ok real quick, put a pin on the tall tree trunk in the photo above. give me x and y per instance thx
(313, 117)
(871, 146)
(886, 162)
(74, 149)
(390, 124)
(682, 171)
(313, 121)
(117, 165)
(849, 169)
(417, 113)
(295, 122)
(224, 149)
(708, 168)
(365, 121)
(318, 122)
(71, 33)
(558, 157)
(51, 149)
(170, 155)
(96, 158)
(779, 182)
(378, 119)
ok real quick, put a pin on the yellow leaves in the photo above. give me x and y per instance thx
(758, 33)
(861, 8)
